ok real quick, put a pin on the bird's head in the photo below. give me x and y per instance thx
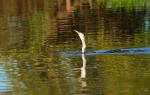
(81, 35)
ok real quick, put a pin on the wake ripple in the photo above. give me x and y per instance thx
(145, 50)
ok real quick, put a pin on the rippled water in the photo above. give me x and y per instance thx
(40, 54)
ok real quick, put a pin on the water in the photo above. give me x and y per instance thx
(40, 54)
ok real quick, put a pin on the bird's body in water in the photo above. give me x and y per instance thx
(82, 38)
(143, 50)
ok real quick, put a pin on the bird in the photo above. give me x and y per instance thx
(82, 38)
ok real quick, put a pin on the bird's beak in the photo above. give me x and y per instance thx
(76, 31)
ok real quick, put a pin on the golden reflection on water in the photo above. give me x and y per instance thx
(34, 32)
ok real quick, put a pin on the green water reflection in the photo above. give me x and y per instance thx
(34, 32)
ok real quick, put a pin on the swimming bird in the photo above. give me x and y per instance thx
(82, 38)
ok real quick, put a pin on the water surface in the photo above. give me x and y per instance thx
(40, 52)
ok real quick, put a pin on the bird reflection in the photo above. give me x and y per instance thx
(83, 72)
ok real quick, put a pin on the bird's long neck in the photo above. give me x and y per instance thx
(83, 44)
(82, 38)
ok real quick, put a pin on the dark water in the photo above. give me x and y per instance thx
(40, 54)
